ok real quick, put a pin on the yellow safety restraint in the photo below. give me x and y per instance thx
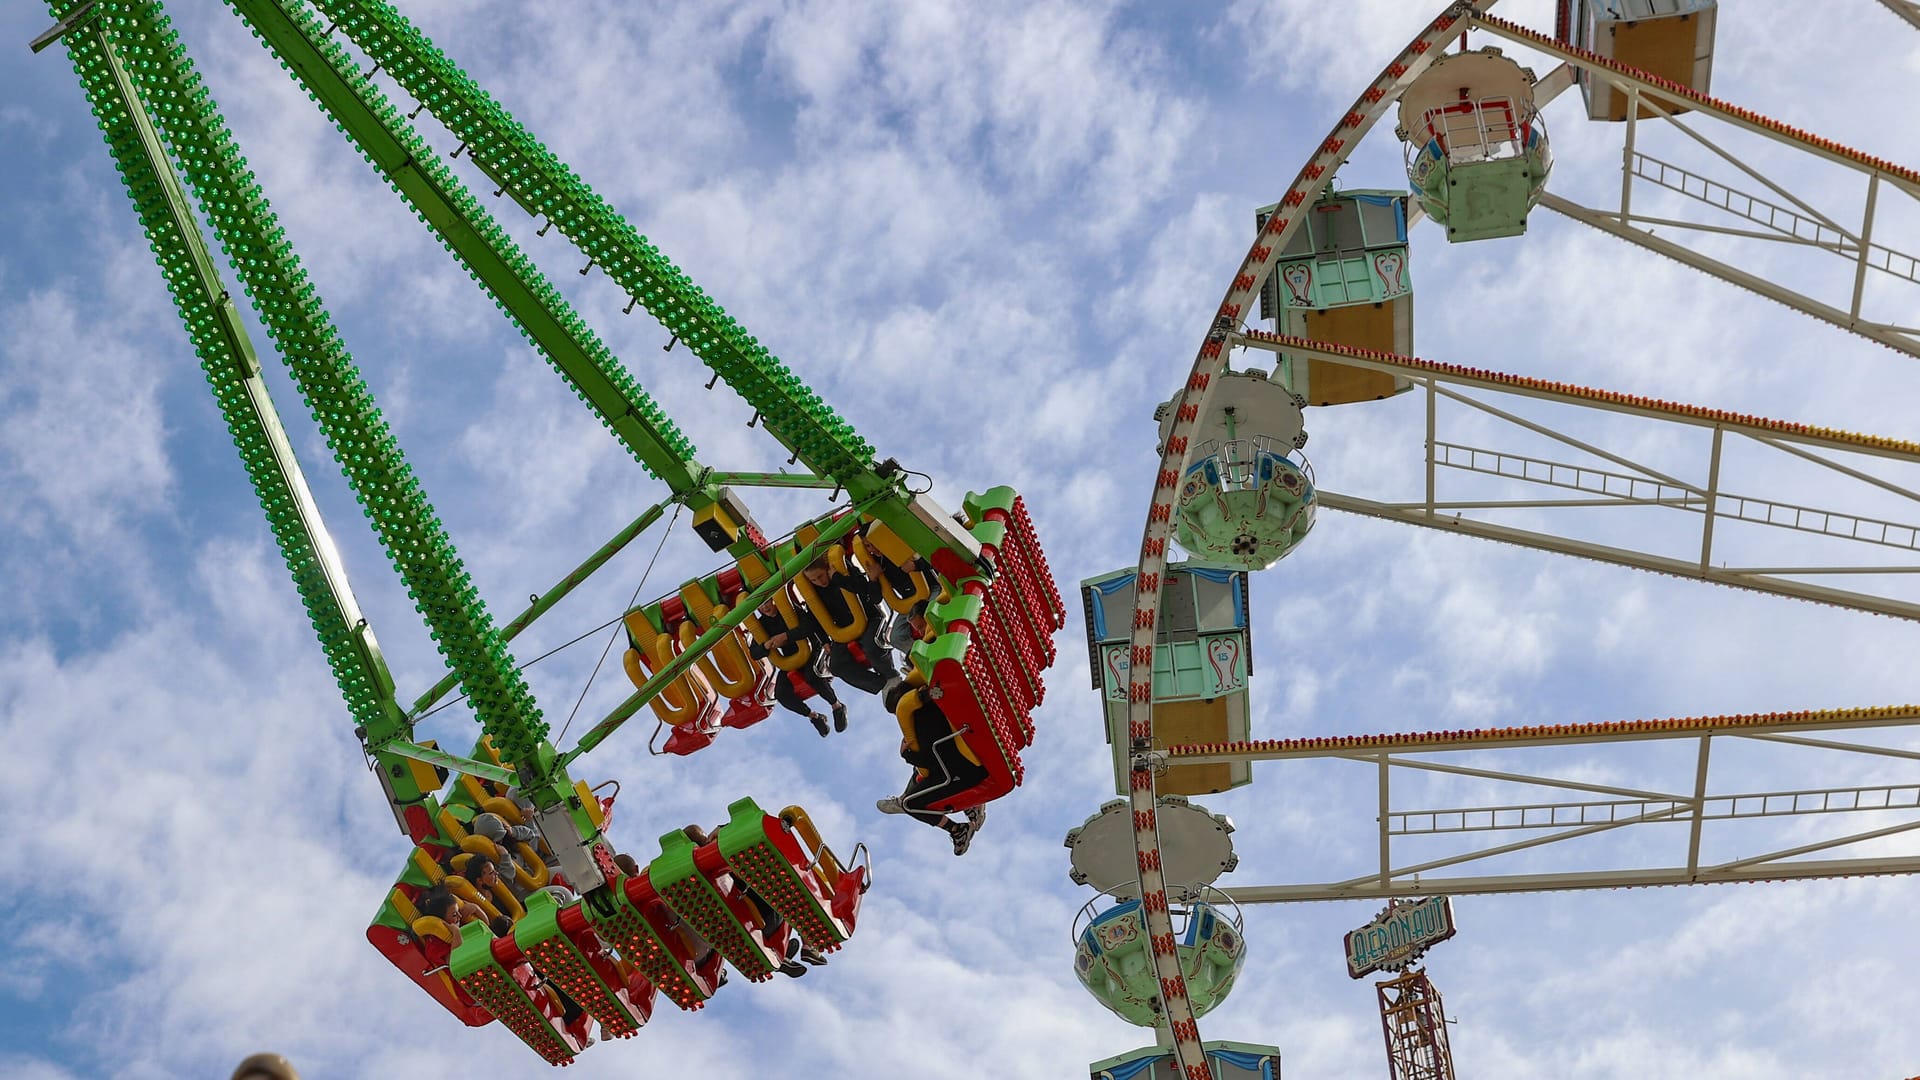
(856, 623)
(912, 702)
(682, 701)
(797, 653)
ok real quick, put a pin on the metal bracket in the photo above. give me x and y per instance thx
(75, 18)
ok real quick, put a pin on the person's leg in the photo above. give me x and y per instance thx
(842, 665)
(823, 689)
(787, 696)
(874, 644)
(774, 931)
(790, 699)
(912, 802)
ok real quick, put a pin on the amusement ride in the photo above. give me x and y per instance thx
(588, 940)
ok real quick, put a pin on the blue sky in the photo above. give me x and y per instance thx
(991, 235)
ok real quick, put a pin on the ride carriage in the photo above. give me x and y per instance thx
(1476, 150)
(1344, 277)
(1202, 656)
(1668, 39)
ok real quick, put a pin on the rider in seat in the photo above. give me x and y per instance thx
(838, 594)
(785, 690)
(941, 769)
(771, 924)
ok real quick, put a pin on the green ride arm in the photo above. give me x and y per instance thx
(510, 154)
(247, 228)
(233, 374)
(469, 232)
(545, 601)
(742, 607)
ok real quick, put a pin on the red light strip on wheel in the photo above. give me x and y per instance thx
(1212, 357)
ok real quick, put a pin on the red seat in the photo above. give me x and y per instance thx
(686, 739)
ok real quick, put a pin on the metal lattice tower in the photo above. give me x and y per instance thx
(1415, 1026)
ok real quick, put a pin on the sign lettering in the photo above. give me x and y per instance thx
(1399, 935)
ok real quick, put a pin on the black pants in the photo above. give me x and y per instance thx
(789, 696)
(924, 791)
(872, 676)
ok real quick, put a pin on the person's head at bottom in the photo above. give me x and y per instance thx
(266, 1067)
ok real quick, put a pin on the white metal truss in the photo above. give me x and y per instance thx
(1751, 201)
(1610, 479)
(1701, 814)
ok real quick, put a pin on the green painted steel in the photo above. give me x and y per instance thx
(545, 601)
(537, 180)
(484, 770)
(789, 569)
(233, 374)
(189, 135)
(773, 480)
(231, 203)
(469, 232)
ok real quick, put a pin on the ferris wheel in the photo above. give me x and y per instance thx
(1556, 466)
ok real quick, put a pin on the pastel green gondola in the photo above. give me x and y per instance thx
(1202, 655)
(1345, 277)
(1112, 959)
(1476, 150)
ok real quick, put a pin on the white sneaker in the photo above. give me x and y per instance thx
(890, 805)
(976, 817)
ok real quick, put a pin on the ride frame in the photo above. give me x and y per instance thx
(149, 101)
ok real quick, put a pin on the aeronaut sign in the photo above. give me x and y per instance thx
(1399, 935)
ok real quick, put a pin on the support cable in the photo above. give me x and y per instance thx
(631, 600)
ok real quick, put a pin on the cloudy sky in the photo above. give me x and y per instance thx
(992, 235)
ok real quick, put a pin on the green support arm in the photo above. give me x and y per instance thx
(508, 152)
(234, 375)
(230, 201)
(416, 172)
(724, 625)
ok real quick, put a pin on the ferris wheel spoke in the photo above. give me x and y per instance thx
(1892, 336)
(1531, 758)
(1617, 480)
(1776, 213)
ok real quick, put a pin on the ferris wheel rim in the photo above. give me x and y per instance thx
(1187, 405)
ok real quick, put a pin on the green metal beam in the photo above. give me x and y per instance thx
(722, 626)
(248, 230)
(485, 770)
(553, 596)
(773, 480)
(64, 26)
(416, 172)
(508, 152)
(233, 372)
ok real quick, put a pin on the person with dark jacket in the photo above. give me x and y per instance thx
(941, 769)
(839, 594)
(786, 685)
